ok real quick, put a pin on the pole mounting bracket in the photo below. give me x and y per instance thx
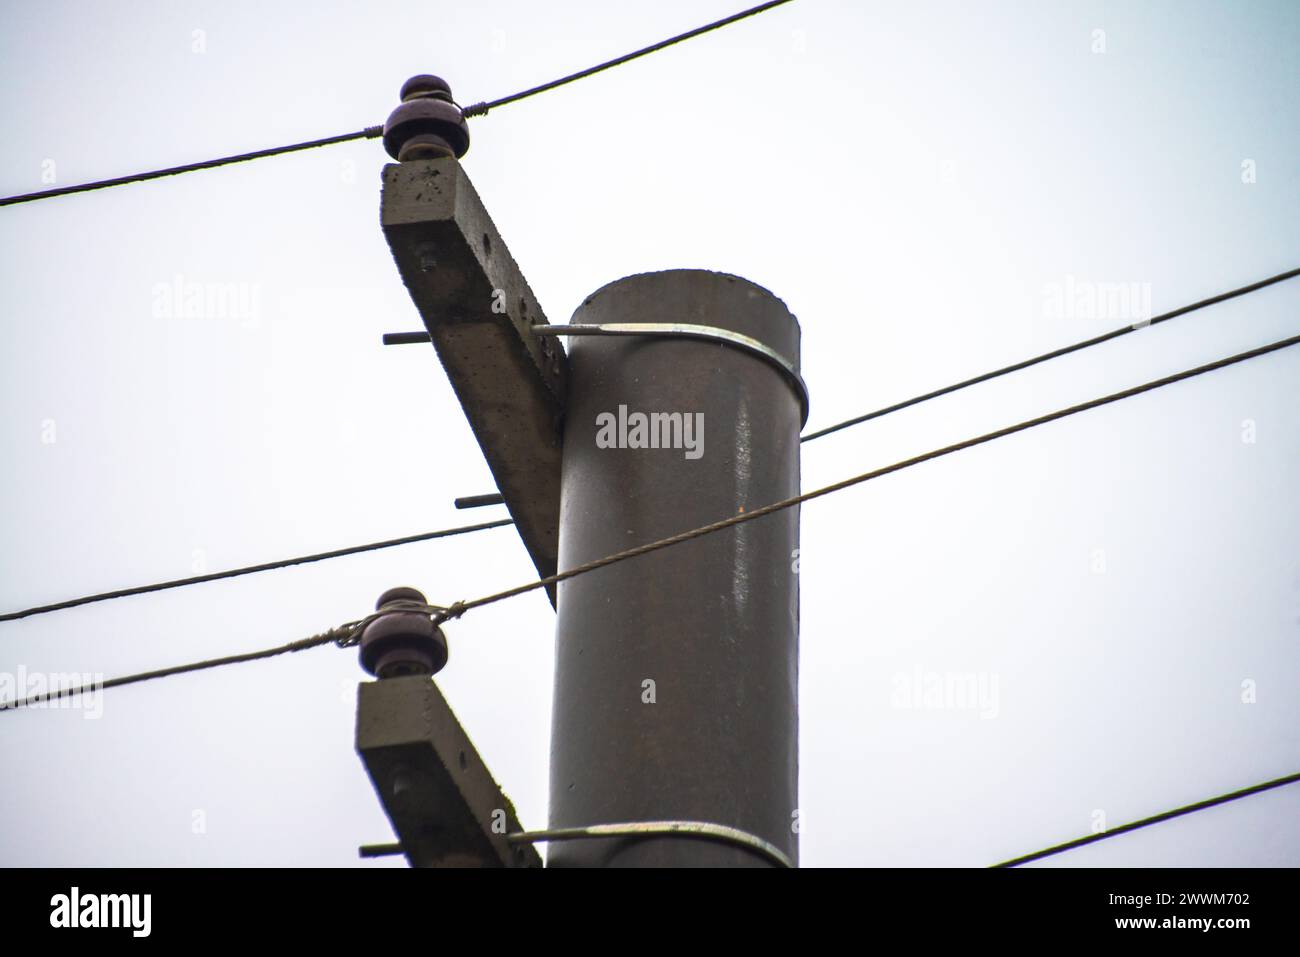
(701, 829)
(687, 330)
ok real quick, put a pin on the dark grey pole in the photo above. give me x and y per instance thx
(676, 682)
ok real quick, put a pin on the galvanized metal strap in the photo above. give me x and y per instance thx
(697, 829)
(687, 330)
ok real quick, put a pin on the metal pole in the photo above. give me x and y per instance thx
(676, 682)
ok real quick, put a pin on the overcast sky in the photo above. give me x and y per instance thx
(934, 189)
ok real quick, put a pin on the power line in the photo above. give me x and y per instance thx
(1054, 354)
(459, 608)
(369, 133)
(479, 109)
(338, 635)
(345, 635)
(251, 569)
(374, 132)
(1154, 819)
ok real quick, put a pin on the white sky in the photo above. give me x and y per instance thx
(911, 179)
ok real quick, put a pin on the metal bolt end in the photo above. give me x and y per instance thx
(428, 124)
(400, 643)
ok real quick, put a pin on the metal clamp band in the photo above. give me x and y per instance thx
(697, 829)
(686, 330)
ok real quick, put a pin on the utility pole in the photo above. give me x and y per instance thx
(676, 676)
(680, 403)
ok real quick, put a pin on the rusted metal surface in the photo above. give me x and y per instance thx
(477, 308)
(444, 806)
(677, 672)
